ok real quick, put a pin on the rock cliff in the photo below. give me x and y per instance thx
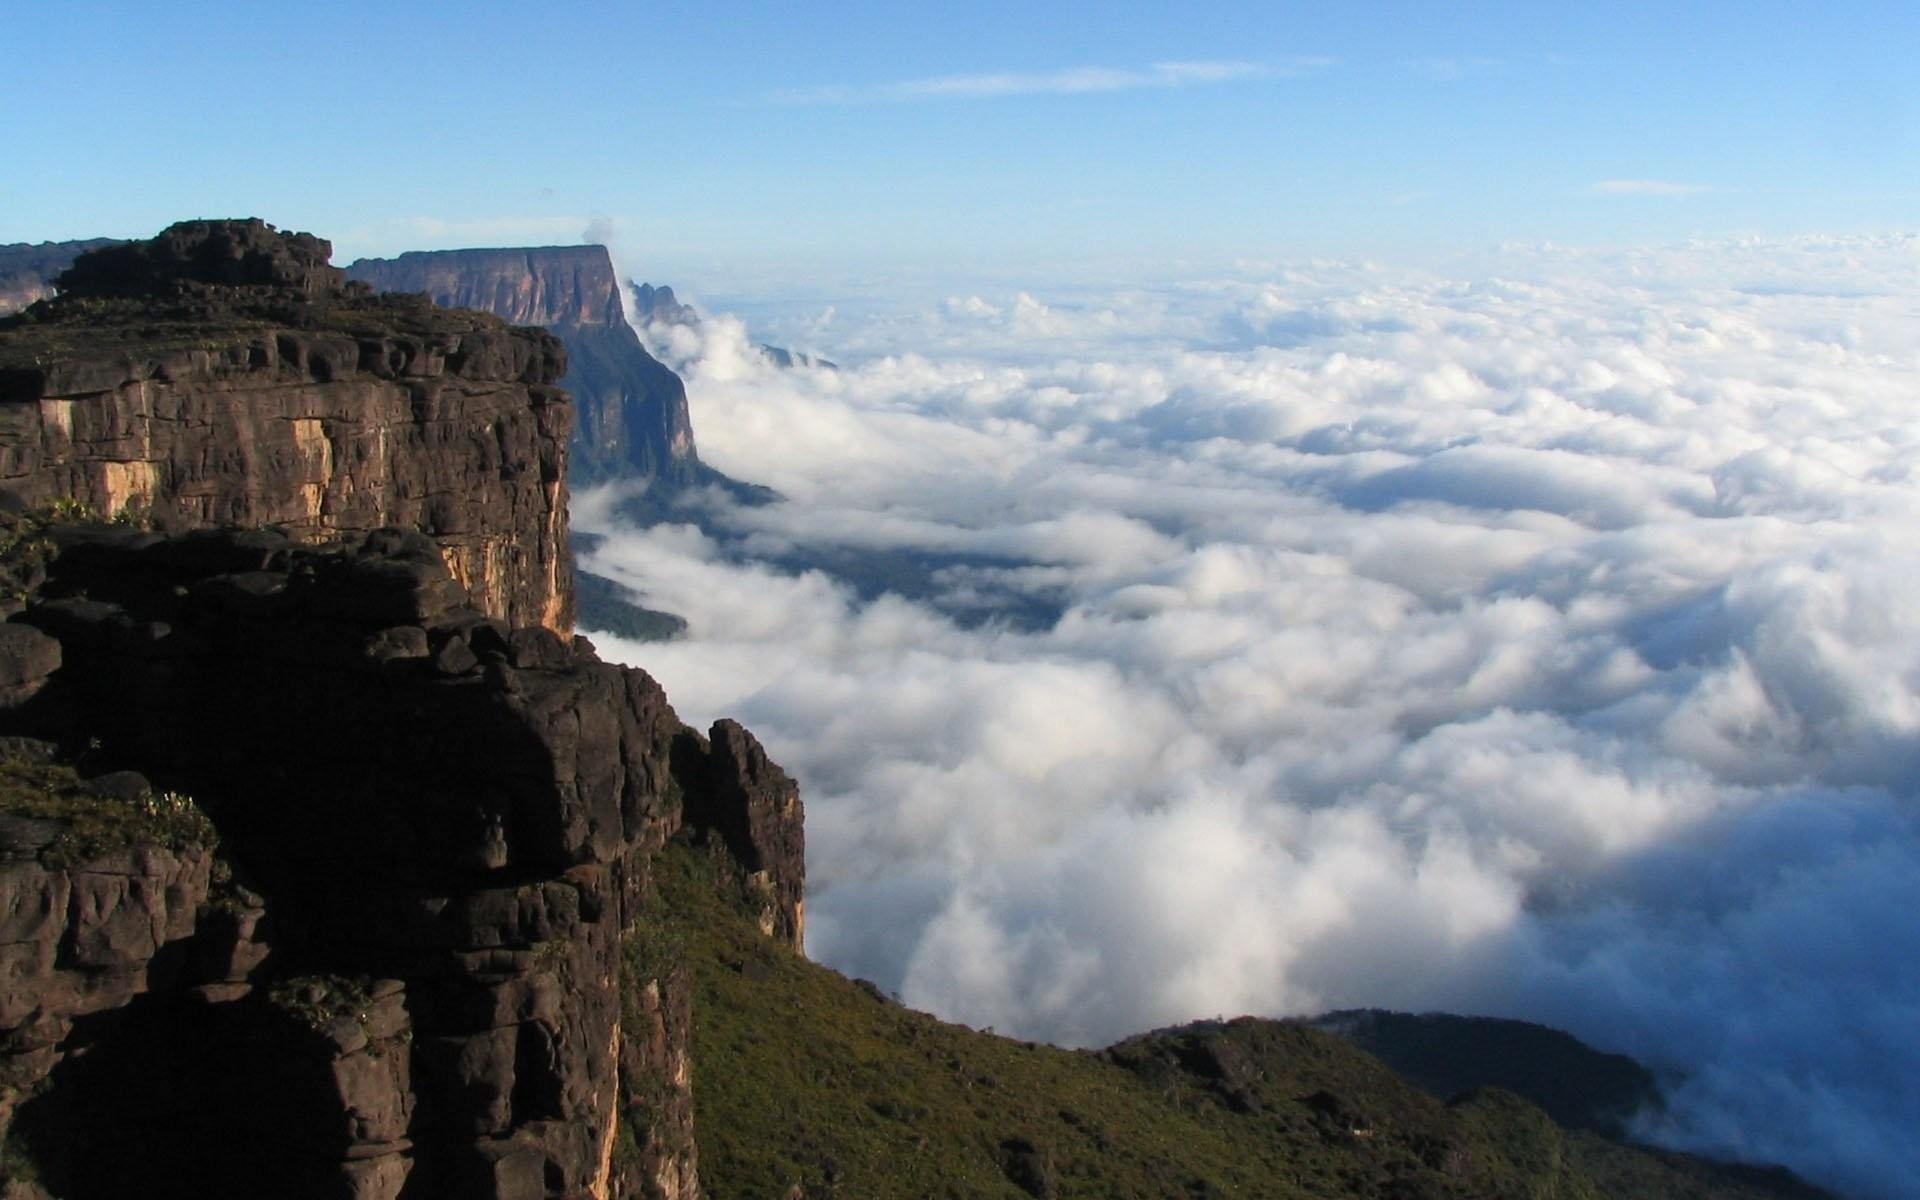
(325, 855)
(224, 374)
(436, 833)
(632, 409)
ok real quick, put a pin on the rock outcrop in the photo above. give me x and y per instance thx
(224, 374)
(325, 853)
(440, 828)
(632, 409)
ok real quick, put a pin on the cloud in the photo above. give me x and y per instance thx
(600, 231)
(1538, 643)
(1068, 81)
(1648, 187)
(1452, 70)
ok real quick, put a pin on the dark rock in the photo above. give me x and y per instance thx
(240, 253)
(471, 835)
(26, 655)
(1029, 1168)
(736, 794)
(126, 786)
(533, 648)
(398, 642)
(220, 374)
(455, 657)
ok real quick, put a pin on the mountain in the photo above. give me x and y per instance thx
(318, 877)
(632, 409)
(332, 865)
(633, 423)
(224, 374)
(809, 1084)
(659, 306)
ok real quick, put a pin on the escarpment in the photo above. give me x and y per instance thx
(633, 421)
(436, 833)
(325, 854)
(224, 374)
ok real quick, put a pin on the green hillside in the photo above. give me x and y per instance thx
(805, 1079)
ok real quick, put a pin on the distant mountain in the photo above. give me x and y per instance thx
(659, 306)
(632, 422)
(1445, 1055)
(27, 269)
(632, 409)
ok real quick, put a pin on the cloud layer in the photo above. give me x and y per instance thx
(1067, 81)
(1544, 643)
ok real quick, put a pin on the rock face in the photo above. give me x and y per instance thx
(223, 374)
(396, 943)
(446, 823)
(632, 409)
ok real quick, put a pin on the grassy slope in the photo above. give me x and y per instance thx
(805, 1077)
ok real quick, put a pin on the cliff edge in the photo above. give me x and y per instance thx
(223, 374)
(633, 418)
(325, 852)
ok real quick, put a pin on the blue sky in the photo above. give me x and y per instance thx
(992, 133)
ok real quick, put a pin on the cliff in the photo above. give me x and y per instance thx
(632, 410)
(224, 374)
(409, 967)
(322, 850)
(319, 877)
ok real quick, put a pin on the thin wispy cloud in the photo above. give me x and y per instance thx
(1648, 187)
(1452, 70)
(1067, 81)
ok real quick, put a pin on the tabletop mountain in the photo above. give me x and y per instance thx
(332, 865)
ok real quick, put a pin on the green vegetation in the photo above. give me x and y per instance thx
(97, 825)
(803, 1077)
(603, 605)
(317, 1001)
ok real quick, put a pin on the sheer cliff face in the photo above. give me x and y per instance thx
(404, 947)
(632, 409)
(435, 980)
(252, 390)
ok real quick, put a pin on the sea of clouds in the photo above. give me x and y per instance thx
(1537, 640)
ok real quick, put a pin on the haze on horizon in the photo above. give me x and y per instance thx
(1525, 627)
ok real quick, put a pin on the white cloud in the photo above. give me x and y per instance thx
(1067, 81)
(1541, 644)
(1648, 187)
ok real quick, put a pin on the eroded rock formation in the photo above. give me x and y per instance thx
(325, 853)
(446, 825)
(224, 374)
(632, 409)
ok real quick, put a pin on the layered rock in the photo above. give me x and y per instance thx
(332, 611)
(223, 374)
(632, 409)
(448, 822)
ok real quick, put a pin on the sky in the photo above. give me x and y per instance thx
(805, 139)
(1469, 450)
